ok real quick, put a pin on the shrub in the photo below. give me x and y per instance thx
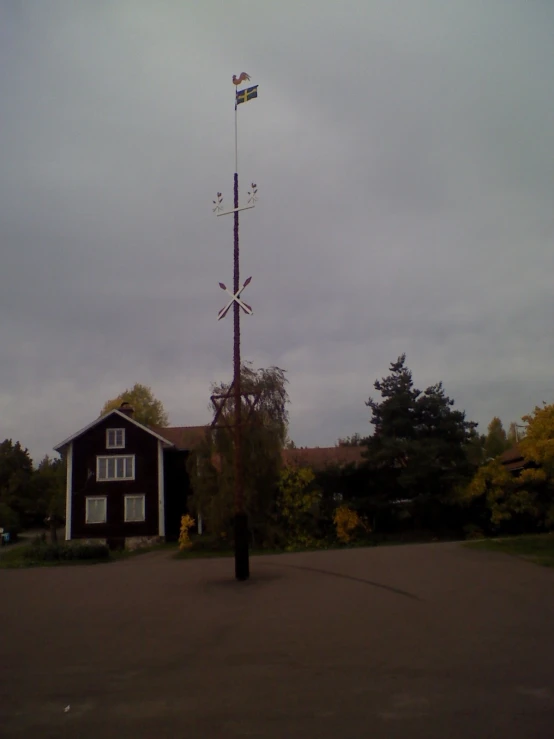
(9, 520)
(297, 505)
(187, 522)
(473, 531)
(42, 552)
(84, 551)
(347, 522)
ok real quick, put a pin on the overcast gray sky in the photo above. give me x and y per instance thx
(404, 153)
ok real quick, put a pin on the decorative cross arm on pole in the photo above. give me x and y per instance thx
(235, 298)
(218, 204)
(252, 199)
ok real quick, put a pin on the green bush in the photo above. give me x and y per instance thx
(85, 551)
(473, 531)
(42, 552)
(9, 520)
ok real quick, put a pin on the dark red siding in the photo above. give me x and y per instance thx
(86, 448)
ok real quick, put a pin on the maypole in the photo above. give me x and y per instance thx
(242, 566)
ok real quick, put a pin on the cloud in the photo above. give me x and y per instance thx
(405, 178)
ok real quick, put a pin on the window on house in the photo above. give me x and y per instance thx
(115, 438)
(115, 467)
(95, 510)
(134, 508)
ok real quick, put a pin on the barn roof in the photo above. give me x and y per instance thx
(321, 457)
(183, 437)
(513, 459)
(511, 454)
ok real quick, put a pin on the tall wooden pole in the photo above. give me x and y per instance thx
(242, 564)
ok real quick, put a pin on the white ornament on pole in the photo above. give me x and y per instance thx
(235, 298)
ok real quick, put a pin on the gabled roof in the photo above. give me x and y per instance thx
(321, 457)
(513, 459)
(183, 437)
(59, 447)
(511, 454)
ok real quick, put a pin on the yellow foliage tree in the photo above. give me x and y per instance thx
(347, 522)
(148, 409)
(538, 443)
(537, 447)
(187, 522)
(531, 493)
(505, 495)
(297, 505)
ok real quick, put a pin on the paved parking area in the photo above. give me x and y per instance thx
(412, 641)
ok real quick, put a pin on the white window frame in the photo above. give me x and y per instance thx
(115, 457)
(134, 520)
(91, 498)
(115, 445)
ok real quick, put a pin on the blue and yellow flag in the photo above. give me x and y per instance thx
(243, 96)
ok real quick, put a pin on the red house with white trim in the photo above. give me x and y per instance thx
(126, 483)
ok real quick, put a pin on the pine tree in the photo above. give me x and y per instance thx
(496, 441)
(419, 448)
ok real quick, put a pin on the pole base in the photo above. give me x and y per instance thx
(242, 563)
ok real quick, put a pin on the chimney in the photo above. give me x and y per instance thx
(127, 409)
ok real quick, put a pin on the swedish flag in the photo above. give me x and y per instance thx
(243, 96)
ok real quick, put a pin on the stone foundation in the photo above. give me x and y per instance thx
(88, 541)
(131, 542)
(138, 542)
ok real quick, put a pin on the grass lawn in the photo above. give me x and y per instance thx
(18, 557)
(537, 548)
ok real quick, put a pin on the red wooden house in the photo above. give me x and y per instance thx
(126, 483)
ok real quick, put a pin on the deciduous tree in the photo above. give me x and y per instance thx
(297, 501)
(496, 441)
(212, 467)
(148, 409)
(523, 501)
(16, 500)
(49, 489)
(354, 440)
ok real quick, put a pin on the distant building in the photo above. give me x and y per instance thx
(513, 460)
(320, 458)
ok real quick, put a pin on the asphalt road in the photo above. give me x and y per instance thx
(414, 641)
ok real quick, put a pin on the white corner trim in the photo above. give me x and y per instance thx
(68, 486)
(161, 493)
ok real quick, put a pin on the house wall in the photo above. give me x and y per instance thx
(86, 448)
(177, 490)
